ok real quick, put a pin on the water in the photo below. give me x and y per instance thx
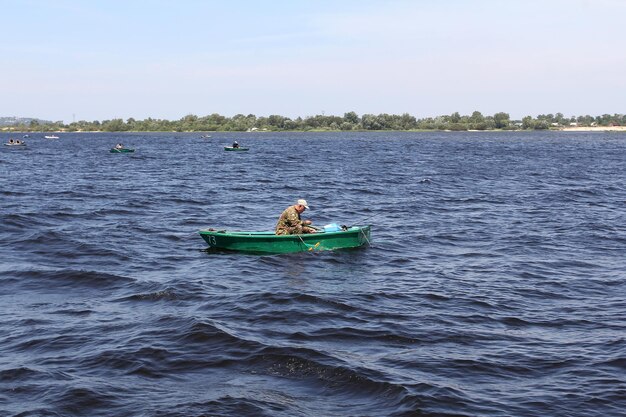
(494, 286)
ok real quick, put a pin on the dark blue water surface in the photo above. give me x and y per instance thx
(495, 284)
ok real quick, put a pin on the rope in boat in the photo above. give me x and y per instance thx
(311, 247)
(365, 236)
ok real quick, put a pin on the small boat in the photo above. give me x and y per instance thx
(230, 148)
(51, 137)
(26, 136)
(269, 242)
(121, 150)
(205, 136)
(15, 144)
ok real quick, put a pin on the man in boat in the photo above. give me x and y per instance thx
(290, 222)
(235, 144)
(119, 146)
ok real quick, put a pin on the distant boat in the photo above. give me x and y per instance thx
(121, 150)
(16, 143)
(26, 136)
(230, 148)
(51, 137)
(205, 136)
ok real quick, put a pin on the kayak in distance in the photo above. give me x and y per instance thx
(234, 149)
(269, 242)
(121, 150)
(51, 137)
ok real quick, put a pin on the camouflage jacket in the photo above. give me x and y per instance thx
(289, 222)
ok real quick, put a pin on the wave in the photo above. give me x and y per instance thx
(80, 400)
(64, 279)
(493, 285)
(170, 294)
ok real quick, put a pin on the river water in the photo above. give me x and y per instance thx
(495, 284)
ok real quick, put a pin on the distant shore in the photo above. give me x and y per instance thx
(561, 129)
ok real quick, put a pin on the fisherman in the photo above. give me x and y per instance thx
(290, 222)
(235, 144)
(10, 140)
(119, 146)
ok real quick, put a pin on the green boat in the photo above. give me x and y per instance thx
(122, 150)
(268, 242)
(230, 148)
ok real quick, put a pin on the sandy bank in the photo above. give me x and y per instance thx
(595, 129)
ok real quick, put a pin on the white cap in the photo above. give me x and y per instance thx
(302, 202)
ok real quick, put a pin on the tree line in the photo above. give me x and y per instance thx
(349, 121)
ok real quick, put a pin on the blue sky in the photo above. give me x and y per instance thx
(98, 60)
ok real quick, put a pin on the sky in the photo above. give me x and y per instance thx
(74, 60)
